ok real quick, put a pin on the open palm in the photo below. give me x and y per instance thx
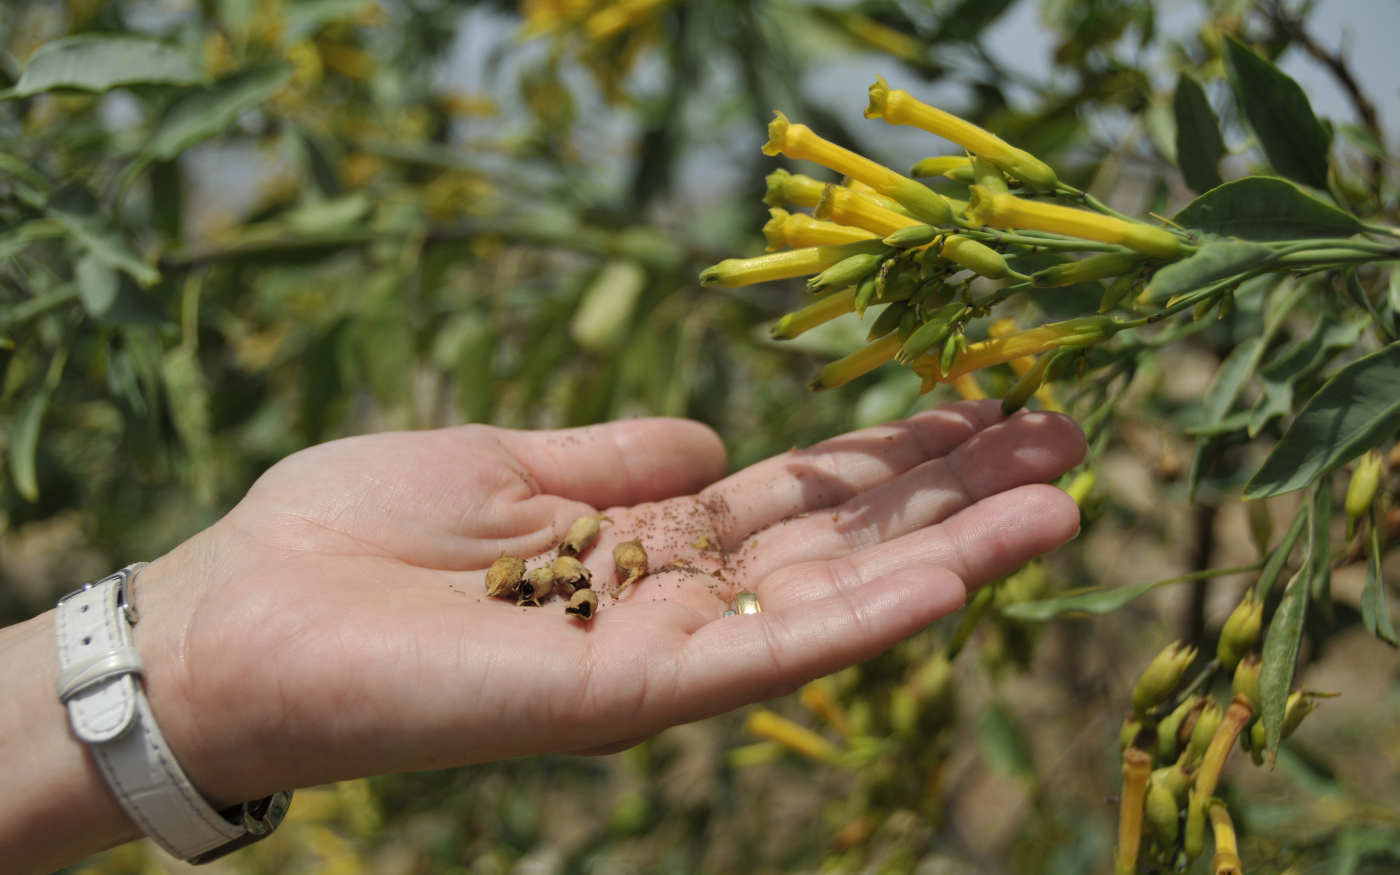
(335, 623)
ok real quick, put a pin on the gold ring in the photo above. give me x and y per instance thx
(746, 602)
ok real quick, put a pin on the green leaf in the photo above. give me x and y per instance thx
(97, 285)
(82, 217)
(1264, 208)
(24, 441)
(1273, 566)
(1298, 365)
(1374, 613)
(1281, 657)
(1278, 111)
(200, 114)
(1393, 294)
(1366, 141)
(1211, 263)
(1003, 744)
(1199, 145)
(98, 62)
(1320, 546)
(1356, 410)
(1229, 380)
(1105, 601)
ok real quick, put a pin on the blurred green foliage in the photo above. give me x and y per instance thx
(261, 224)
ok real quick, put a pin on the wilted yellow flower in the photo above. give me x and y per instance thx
(796, 230)
(1137, 768)
(998, 350)
(902, 108)
(735, 272)
(1009, 211)
(798, 141)
(809, 317)
(774, 727)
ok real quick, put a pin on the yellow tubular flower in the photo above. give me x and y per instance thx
(809, 317)
(967, 388)
(774, 727)
(902, 108)
(817, 698)
(864, 190)
(858, 363)
(1009, 211)
(798, 141)
(797, 230)
(939, 165)
(1227, 850)
(792, 189)
(846, 207)
(735, 272)
(998, 350)
(1137, 768)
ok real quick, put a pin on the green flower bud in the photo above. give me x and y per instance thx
(950, 351)
(1261, 526)
(1092, 268)
(1246, 680)
(887, 321)
(963, 174)
(914, 235)
(845, 273)
(939, 166)
(1021, 392)
(1163, 673)
(1240, 632)
(869, 287)
(1163, 811)
(1169, 730)
(1300, 705)
(1207, 722)
(932, 332)
(1119, 289)
(1128, 733)
(1195, 825)
(980, 259)
(1361, 491)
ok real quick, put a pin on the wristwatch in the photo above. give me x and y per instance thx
(109, 712)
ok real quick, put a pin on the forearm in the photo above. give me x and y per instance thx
(56, 807)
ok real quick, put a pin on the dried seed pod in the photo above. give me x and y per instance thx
(631, 561)
(504, 575)
(583, 604)
(581, 534)
(536, 585)
(571, 573)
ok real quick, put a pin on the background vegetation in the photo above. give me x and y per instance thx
(323, 217)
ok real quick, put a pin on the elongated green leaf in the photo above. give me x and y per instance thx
(97, 63)
(1264, 208)
(83, 218)
(1229, 379)
(1003, 744)
(1198, 141)
(1211, 263)
(1273, 566)
(1320, 547)
(1280, 115)
(1281, 657)
(24, 444)
(97, 285)
(1352, 413)
(1393, 297)
(1374, 612)
(1105, 601)
(204, 113)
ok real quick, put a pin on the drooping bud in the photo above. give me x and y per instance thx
(1241, 631)
(932, 332)
(830, 307)
(1009, 211)
(1361, 491)
(1208, 721)
(902, 108)
(504, 575)
(846, 272)
(1092, 268)
(1162, 675)
(939, 165)
(1015, 398)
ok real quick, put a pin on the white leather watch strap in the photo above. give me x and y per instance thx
(108, 711)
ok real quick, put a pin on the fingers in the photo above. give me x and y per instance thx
(1025, 449)
(620, 463)
(823, 476)
(981, 543)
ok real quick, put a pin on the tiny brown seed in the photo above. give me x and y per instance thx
(536, 585)
(581, 534)
(504, 575)
(571, 573)
(583, 604)
(631, 562)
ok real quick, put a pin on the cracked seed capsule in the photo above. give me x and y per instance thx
(504, 575)
(538, 584)
(583, 604)
(571, 573)
(582, 534)
(631, 560)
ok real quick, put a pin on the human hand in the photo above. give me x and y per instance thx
(335, 623)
